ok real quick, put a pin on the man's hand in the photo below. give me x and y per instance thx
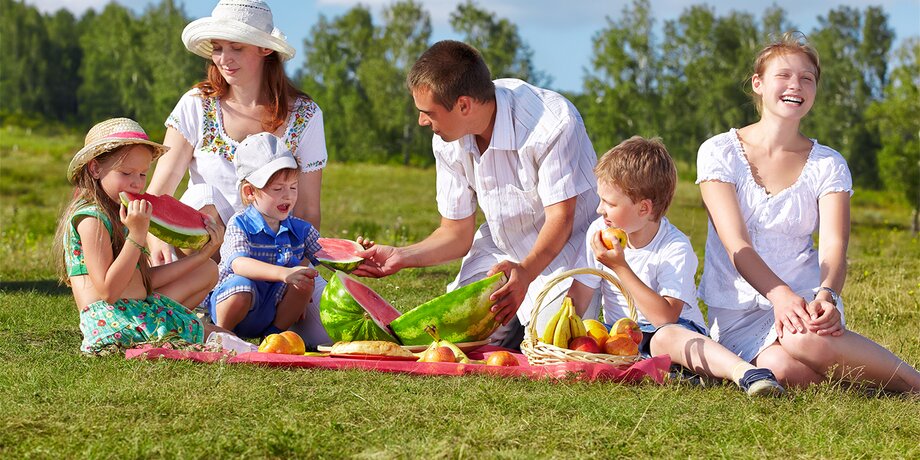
(379, 261)
(508, 298)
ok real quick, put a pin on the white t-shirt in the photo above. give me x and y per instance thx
(780, 225)
(539, 155)
(667, 265)
(212, 176)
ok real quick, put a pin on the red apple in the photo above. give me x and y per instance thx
(611, 234)
(438, 355)
(501, 358)
(585, 343)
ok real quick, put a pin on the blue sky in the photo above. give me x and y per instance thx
(559, 32)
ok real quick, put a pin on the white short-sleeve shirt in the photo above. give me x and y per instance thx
(780, 225)
(212, 176)
(539, 155)
(667, 265)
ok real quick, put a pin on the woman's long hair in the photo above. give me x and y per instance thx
(276, 87)
(88, 190)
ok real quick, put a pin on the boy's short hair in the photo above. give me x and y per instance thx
(643, 169)
(451, 69)
(283, 174)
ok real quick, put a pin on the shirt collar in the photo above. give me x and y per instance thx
(255, 223)
(502, 131)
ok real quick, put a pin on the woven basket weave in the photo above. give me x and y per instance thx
(540, 353)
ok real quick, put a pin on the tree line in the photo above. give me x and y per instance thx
(683, 82)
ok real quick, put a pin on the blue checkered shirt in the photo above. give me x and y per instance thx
(248, 235)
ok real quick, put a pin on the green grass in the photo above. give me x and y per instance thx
(57, 403)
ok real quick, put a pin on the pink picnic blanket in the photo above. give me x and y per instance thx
(654, 369)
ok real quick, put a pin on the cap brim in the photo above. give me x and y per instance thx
(260, 177)
(87, 153)
(198, 34)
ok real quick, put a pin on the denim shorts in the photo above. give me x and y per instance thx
(265, 298)
(649, 330)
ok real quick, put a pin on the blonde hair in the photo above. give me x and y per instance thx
(643, 169)
(283, 174)
(791, 42)
(88, 190)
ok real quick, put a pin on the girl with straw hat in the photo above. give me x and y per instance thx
(246, 92)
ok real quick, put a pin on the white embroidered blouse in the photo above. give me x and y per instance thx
(780, 225)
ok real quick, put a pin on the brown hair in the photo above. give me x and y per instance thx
(276, 87)
(283, 174)
(642, 169)
(88, 190)
(790, 43)
(451, 69)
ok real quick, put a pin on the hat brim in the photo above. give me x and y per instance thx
(87, 153)
(259, 178)
(198, 34)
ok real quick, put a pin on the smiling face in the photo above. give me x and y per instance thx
(125, 171)
(277, 199)
(238, 63)
(787, 86)
(448, 124)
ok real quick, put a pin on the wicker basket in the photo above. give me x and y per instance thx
(540, 353)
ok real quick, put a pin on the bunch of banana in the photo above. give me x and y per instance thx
(564, 326)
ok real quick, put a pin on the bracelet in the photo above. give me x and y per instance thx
(143, 249)
(835, 298)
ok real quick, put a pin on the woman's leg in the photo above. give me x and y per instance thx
(854, 358)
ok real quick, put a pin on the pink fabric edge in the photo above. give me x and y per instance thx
(654, 369)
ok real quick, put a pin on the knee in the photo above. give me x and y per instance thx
(816, 351)
(210, 270)
(232, 310)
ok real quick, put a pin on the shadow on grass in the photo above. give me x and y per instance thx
(50, 287)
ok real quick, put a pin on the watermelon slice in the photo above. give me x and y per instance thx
(173, 221)
(339, 254)
(351, 311)
(460, 316)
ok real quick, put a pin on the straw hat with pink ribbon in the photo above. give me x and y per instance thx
(107, 136)
(240, 21)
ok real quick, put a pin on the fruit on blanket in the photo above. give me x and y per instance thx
(621, 345)
(438, 354)
(296, 343)
(611, 234)
(462, 315)
(501, 358)
(629, 327)
(584, 343)
(339, 254)
(173, 221)
(351, 311)
(596, 330)
(459, 355)
(277, 343)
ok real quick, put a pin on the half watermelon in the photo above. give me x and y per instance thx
(351, 311)
(462, 315)
(339, 254)
(173, 221)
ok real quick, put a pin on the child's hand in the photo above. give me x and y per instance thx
(216, 231)
(136, 217)
(611, 258)
(364, 242)
(825, 318)
(301, 278)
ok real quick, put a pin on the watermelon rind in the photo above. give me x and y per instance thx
(346, 265)
(344, 319)
(180, 237)
(462, 315)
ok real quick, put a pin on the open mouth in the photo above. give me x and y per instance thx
(792, 100)
(284, 207)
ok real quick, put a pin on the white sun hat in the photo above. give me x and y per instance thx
(241, 21)
(259, 156)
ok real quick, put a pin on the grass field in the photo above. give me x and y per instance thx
(59, 404)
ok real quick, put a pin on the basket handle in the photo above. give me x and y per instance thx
(538, 303)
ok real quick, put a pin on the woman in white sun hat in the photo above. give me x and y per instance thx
(246, 92)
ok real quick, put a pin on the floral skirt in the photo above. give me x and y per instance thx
(129, 322)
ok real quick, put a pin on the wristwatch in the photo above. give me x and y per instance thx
(835, 298)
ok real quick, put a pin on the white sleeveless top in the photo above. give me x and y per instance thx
(781, 225)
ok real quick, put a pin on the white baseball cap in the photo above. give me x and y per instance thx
(259, 156)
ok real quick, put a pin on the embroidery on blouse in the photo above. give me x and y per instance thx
(301, 116)
(211, 140)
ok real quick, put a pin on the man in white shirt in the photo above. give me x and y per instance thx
(520, 153)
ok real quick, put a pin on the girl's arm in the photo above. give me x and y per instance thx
(788, 307)
(170, 170)
(833, 239)
(170, 272)
(308, 207)
(112, 274)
